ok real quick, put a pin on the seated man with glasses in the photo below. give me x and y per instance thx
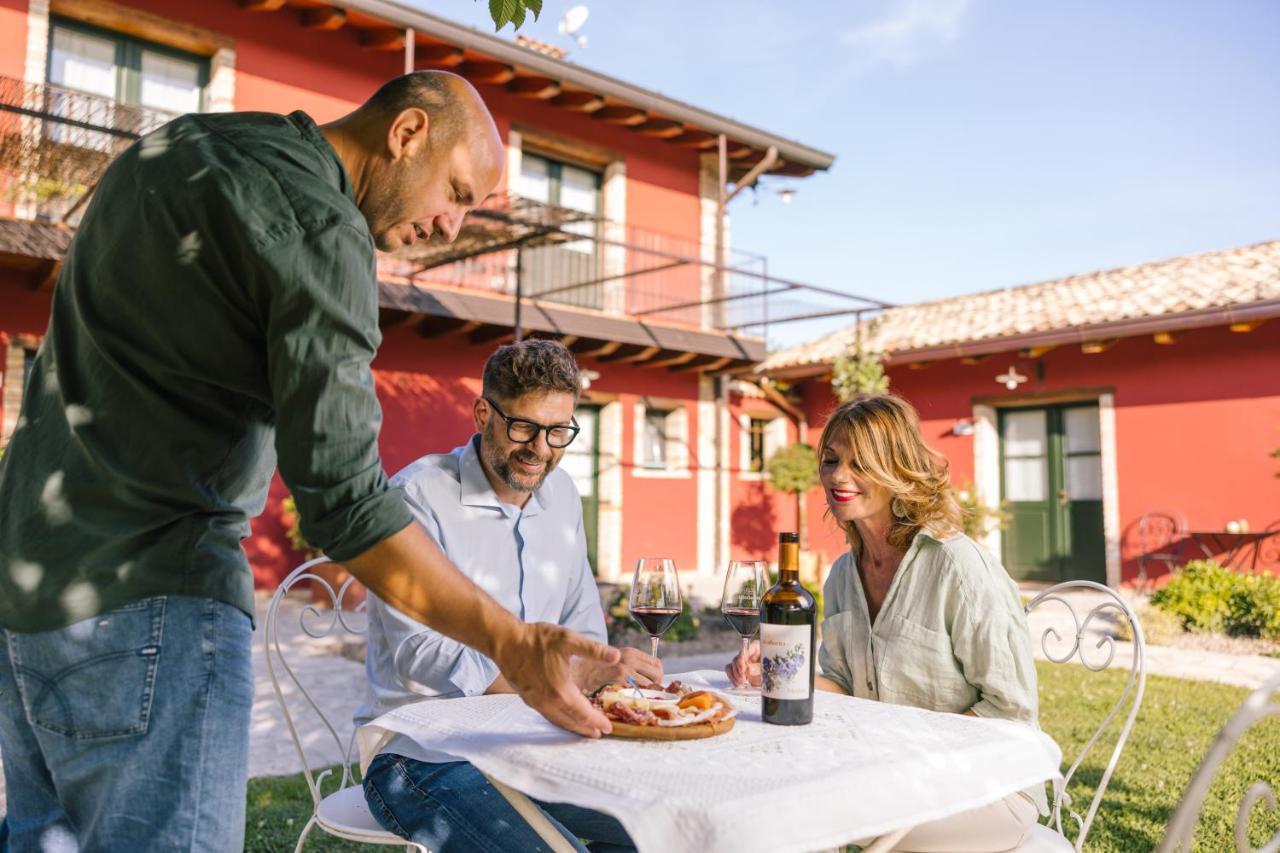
(512, 523)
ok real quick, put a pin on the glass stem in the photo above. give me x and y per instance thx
(653, 646)
(746, 647)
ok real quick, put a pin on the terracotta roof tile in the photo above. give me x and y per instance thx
(1222, 279)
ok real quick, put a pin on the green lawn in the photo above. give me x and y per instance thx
(1174, 729)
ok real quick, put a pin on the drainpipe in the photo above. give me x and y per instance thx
(408, 51)
(797, 415)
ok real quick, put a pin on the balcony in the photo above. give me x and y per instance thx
(518, 267)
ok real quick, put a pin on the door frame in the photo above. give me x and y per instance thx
(986, 460)
(593, 548)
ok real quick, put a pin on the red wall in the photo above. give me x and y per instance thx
(1195, 423)
(13, 38)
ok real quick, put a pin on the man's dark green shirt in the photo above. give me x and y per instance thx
(216, 315)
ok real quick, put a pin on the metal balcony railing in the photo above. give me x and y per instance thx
(55, 143)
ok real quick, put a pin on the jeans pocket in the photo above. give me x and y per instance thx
(94, 678)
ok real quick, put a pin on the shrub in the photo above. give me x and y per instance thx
(1254, 608)
(1208, 597)
(1159, 627)
(979, 519)
(1200, 593)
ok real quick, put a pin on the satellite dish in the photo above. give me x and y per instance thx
(573, 20)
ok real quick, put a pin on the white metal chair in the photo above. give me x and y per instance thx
(1060, 649)
(1262, 703)
(343, 812)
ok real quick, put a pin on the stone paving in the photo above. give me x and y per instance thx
(337, 683)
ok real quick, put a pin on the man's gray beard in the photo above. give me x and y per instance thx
(498, 463)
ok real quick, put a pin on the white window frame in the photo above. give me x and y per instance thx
(676, 416)
(775, 438)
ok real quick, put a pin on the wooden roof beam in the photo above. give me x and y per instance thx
(493, 73)
(323, 18)
(682, 358)
(660, 128)
(594, 349)
(537, 88)
(1165, 339)
(382, 38)
(1096, 347)
(625, 116)
(706, 364)
(261, 5)
(583, 102)
(437, 55)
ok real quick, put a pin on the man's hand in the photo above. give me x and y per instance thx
(745, 671)
(537, 663)
(645, 669)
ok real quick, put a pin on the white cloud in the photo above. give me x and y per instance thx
(901, 37)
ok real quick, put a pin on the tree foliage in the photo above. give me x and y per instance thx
(858, 373)
(513, 12)
(793, 469)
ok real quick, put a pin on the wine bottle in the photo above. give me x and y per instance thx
(788, 629)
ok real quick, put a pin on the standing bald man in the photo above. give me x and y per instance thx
(216, 315)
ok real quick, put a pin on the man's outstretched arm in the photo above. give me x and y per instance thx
(409, 572)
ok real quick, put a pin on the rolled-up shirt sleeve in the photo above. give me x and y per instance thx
(322, 334)
(990, 640)
(424, 661)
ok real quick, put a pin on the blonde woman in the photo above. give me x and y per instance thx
(916, 613)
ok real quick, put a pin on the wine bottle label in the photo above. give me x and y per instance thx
(784, 661)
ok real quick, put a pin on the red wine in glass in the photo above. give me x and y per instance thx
(744, 584)
(745, 620)
(655, 597)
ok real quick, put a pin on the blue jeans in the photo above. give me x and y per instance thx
(452, 808)
(129, 730)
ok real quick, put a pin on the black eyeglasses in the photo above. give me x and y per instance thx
(524, 431)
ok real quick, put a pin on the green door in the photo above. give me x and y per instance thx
(1051, 478)
(582, 461)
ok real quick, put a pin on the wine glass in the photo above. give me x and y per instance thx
(655, 597)
(744, 585)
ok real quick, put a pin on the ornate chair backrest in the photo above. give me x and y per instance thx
(1266, 553)
(1096, 655)
(1261, 704)
(1160, 533)
(317, 624)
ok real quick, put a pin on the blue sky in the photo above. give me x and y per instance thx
(978, 144)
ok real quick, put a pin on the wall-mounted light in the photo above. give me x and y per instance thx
(586, 377)
(1012, 379)
(964, 426)
(786, 194)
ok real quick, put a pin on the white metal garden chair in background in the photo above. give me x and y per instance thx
(1261, 704)
(343, 812)
(1096, 654)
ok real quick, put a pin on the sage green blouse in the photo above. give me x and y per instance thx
(951, 635)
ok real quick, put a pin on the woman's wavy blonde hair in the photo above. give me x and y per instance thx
(883, 434)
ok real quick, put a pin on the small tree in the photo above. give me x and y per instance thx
(859, 371)
(979, 519)
(794, 470)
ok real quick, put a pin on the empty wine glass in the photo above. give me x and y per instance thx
(655, 597)
(744, 584)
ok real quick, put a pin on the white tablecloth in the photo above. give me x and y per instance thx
(859, 769)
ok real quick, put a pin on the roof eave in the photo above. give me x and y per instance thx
(498, 48)
(1262, 310)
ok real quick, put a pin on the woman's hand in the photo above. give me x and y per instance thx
(745, 671)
